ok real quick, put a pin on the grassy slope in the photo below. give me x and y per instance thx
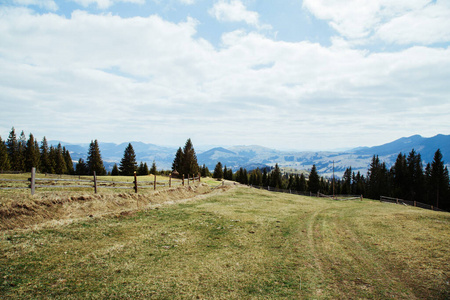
(240, 244)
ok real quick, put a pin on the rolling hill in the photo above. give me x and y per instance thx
(251, 157)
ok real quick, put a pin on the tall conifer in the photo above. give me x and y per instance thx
(4, 159)
(94, 160)
(128, 164)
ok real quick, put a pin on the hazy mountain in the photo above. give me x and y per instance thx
(251, 157)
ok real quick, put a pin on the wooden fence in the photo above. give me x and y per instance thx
(409, 203)
(76, 182)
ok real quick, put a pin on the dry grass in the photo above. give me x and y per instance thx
(238, 243)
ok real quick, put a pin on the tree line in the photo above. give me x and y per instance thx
(21, 154)
(407, 179)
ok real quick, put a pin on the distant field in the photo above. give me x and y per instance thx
(235, 243)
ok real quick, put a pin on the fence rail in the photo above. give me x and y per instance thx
(409, 203)
(103, 184)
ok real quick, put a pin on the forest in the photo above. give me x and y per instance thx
(407, 179)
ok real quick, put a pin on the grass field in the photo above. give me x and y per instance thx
(234, 243)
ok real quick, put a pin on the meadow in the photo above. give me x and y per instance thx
(212, 242)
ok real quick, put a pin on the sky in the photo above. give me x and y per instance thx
(286, 74)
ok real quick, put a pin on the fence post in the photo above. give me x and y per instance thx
(154, 183)
(170, 180)
(361, 197)
(183, 179)
(135, 182)
(33, 180)
(95, 183)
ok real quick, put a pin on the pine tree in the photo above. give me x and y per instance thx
(128, 164)
(32, 156)
(346, 182)
(45, 160)
(218, 171)
(52, 158)
(153, 169)
(438, 181)
(377, 179)
(21, 148)
(189, 163)
(81, 168)
(177, 164)
(4, 159)
(94, 160)
(275, 178)
(13, 149)
(60, 162)
(416, 177)
(400, 178)
(314, 181)
(68, 160)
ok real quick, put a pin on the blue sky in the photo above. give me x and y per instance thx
(311, 74)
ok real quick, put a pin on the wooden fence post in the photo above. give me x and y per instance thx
(33, 180)
(95, 183)
(135, 182)
(183, 179)
(154, 183)
(170, 180)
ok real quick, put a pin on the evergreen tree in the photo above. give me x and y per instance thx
(4, 159)
(275, 178)
(301, 184)
(60, 161)
(128, 164)
(265, 179)
(416, 177)
(314, 180)
(13, 150)
(94, 160)
(32, 156)
(153, 169)
(189, 163)
(204, 171)
(115, 170)
(229, 175)
(142, 169)
(218, 171)
(377, 179)
(438, 181)
(68, 160)
(400, 177)
(81, 168)
(52, 158)
(45, 160)
(346, 183)
(177, 164)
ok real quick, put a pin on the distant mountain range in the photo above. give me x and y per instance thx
(252, 157)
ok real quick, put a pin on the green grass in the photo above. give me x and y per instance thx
(239, 244)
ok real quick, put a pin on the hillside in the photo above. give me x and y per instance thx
(251, 157)
(238, 243)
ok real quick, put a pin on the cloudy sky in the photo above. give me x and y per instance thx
(286, 74)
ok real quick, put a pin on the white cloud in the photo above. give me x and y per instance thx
(118, 79)
(47, 4)
(104, 4)
(187, 2)
(392, 21)
(235, 11)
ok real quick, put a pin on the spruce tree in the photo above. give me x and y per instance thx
(81, 167)
(4, 159)
(438, 182)
(218, 171)
(44, 162)
(22, 146)
(13, 148)
(94, 160)
(177, 164)
(142, 169)
(153, 169)
(416, 177)
(115, 170)
(68, 160)
(189, 163)
(314, 181)
(128, 164)
(275, 178)
(32, 156)
(60, 161)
